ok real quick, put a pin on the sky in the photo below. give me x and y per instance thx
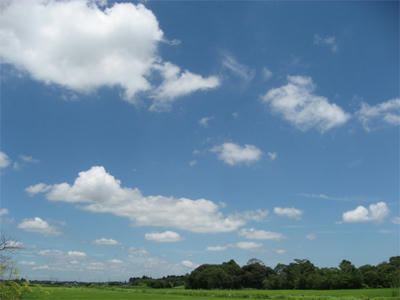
(147, 138)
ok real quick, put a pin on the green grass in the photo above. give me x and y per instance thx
(117, 293)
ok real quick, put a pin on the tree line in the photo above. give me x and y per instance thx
(300, 274)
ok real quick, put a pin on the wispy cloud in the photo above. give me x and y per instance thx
(329, 41)
(242, 71)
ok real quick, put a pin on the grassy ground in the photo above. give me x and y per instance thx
(80, 293)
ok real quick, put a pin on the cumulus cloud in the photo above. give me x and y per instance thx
(97, 191)
(4, 160)
(38, 225)
(106, 242)
(76, 254)
(12, 244)
(3, 212)
(189, 264)
(272, 155)
(115, 261)
(298, 104)
(289, 212)
(329, 41)
(163, 237)
(114, 46)
(203, 122)
(280, 251)
(234, 154)
(260, 234)
(248, 245)
(192, 163)
(383, 113)
(375, 213)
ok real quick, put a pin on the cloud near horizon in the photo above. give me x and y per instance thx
(97, 191)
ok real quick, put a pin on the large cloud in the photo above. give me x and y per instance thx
(298, 104)
(375, 213)
(98, 191)
(80, 46)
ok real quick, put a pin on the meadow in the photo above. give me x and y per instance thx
(118, 293)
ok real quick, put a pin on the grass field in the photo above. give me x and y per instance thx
(115, 293)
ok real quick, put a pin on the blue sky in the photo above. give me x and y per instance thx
(146, 138)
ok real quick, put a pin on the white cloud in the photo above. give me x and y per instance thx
(267, 74)
(375, 213)
(4, 160)
(28, 159)
(3, 212)
(240, 70)
(163, 237)
(396, 220)
(13, 244)
(37, 188)
(280, 251)
(115, 261)
(234, 154)
(116, 46)
(217, 248)
(311, 236)
(106, 242)
(38, 225)
(272, 155)
(50, 252)
(98, 191)
(192, 163)
(329, 41)
(76, 254)
(289, 212)
(27, 263)
(204, 121)
(248, 245)
(189, 264)
(257, 215)
(260, 234)
(177, 84)
(44, 267)
(95, 266)
(297, 103)
(386, 112)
